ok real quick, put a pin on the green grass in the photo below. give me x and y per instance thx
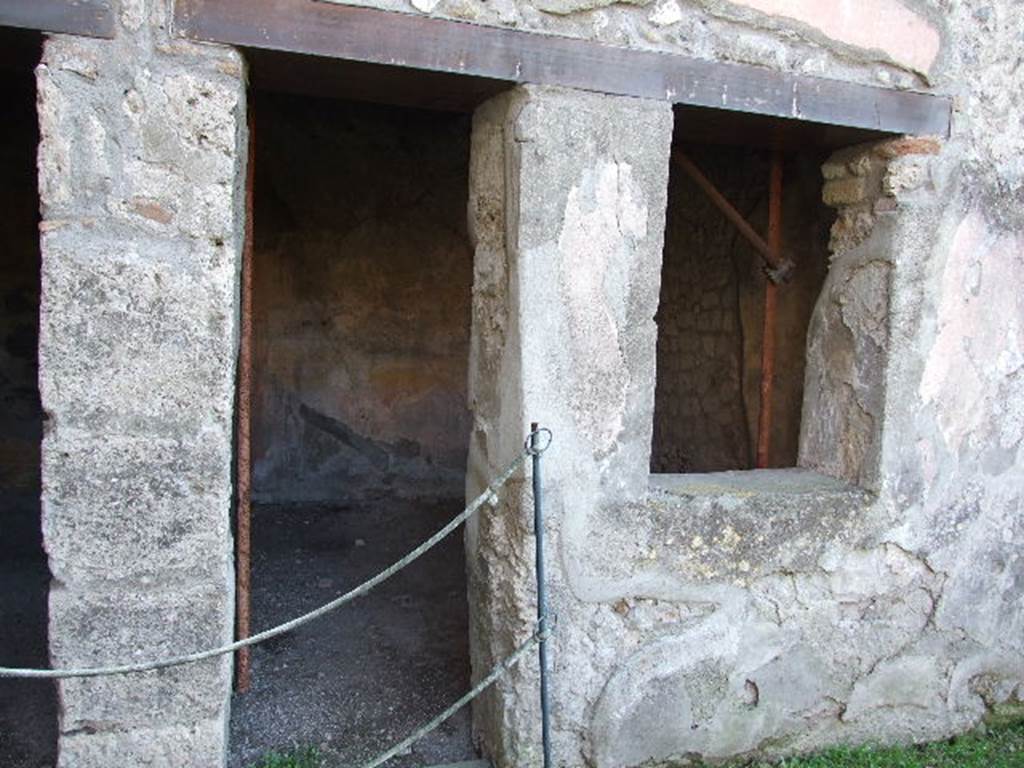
(308, 757)
(998, 747)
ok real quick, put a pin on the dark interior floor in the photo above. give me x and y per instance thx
(28, 708)
(356, 681)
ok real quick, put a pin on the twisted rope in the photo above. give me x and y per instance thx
(489, 495)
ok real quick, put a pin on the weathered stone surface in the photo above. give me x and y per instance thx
(109, 626)
(125, 509)
(173, 746)
(141, 163)
(810, 614)
(567, 204)
(732, 527)
(844, 192)
(881, 605)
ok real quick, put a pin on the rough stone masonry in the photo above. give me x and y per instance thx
(874, 592)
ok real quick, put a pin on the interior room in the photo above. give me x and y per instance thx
(362, 270)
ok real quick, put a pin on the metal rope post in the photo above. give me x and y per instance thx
(542, 594)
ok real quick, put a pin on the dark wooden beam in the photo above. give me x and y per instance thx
(91, 18)
(407, 40)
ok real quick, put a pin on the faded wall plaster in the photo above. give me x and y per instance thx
(873, 594)
(363, 272)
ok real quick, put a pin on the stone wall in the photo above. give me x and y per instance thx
(567, 210)
(141, 165)
(20, 413)
(871, 594)
(710, 313)
(363, 272)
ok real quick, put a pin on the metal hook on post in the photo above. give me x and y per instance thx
(536, 450)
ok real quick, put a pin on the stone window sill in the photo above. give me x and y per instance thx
(724, 528)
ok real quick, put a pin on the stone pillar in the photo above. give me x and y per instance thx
(567, 208)
(141, 165)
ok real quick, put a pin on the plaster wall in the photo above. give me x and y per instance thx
(870, 594)
(363, 272)
(141, 163)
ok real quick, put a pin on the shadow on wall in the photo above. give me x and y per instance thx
(363, 275)
(710, 313)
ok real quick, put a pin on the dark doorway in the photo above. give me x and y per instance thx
(28, 708)
(362, 275)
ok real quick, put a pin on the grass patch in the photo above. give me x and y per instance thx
(997, 747)
(308, 757)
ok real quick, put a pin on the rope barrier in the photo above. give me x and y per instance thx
(488, 496)
(498, 670)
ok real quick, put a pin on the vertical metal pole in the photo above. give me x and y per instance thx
(542, 598)
(243, 545)
(764, 430)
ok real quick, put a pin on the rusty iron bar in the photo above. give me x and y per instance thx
(243, 537)
(779, 267)
(771, 290)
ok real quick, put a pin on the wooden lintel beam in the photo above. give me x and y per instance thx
(419, 42)
(90, 18)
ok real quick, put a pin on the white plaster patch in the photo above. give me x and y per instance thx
(666, 13)
(885, 25)
(973, 356)
(604, 213)
(425, 6)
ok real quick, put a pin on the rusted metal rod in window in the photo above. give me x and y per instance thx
(779, 267)
(764, 420)
(243, 536)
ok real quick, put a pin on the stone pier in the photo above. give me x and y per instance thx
(141, 163)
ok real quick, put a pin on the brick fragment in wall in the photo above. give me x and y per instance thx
(844, 191)
(909, 145)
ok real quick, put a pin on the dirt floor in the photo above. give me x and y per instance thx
(358, 680)
(28, 708)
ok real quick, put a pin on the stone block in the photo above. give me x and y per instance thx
(905, 174)
(196, 745)
(133, 624)
(729, 527)
(849, 191)
(832, 171)
(146, 511)
(136, 334)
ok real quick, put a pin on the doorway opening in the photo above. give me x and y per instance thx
(362, 273)
(28, 708)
